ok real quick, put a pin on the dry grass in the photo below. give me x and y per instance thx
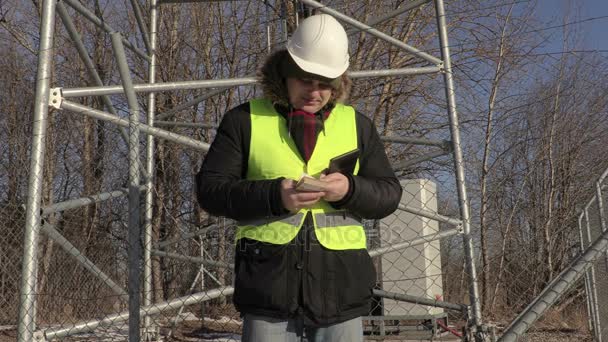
(556, 336)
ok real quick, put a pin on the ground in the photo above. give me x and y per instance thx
(227, 329)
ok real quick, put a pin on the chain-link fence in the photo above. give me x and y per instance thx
(579, 276)
(110, 257)
(592, 225)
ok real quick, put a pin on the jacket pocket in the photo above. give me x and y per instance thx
(260, 279)
(355, 279)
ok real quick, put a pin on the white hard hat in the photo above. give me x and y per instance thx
(320, 46)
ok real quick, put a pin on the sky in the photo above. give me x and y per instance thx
(594, 32)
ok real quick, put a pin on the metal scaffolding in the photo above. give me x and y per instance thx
(140, 185)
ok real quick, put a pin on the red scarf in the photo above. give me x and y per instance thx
(304, 128)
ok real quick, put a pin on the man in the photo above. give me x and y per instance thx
(301, 264)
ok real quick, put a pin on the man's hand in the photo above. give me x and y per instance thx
(337, 186)
(295, 200)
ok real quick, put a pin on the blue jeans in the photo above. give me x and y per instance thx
(266, 329)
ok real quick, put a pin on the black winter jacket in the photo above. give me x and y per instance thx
(302, 278)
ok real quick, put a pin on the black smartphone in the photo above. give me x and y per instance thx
(344, 163)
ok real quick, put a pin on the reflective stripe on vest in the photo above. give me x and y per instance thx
(337, 228)
(273, 154)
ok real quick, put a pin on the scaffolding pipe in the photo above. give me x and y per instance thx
(157, 87)
(157, 132)
(67, 246)
(86, 60)
(375, 21)
(410, 162)
(418, 241)
(450, 93)
(372, 31)
(82, 201)
(603, 176)
(154, 309)
(394, 72)
(29, 270)
(222, 83)
(372, 22)
(101, 24)
(197, 260)
(556, 288)
(142, 27)
(420, 300)
(186, 124)
(149, 186)
(134, 251)
(431, 215)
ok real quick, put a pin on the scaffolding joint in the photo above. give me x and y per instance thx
(460, 228)
(39, 335)
(447, 146)
(441, 66)
(56, 97)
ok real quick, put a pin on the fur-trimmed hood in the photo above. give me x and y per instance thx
(275, 89)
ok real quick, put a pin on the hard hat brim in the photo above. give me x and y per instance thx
(318, 69)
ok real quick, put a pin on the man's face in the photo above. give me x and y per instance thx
(308, 94)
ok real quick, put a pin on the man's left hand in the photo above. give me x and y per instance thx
(337, 186)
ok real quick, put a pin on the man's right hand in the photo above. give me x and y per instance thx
(295, 200)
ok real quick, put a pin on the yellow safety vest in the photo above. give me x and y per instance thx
(273, 154)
